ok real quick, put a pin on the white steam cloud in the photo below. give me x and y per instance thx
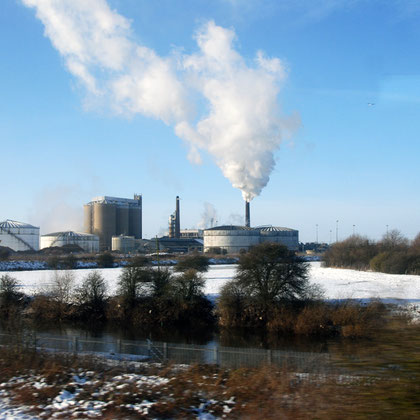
(244, 125)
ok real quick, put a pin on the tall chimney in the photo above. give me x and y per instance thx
(247, 214)
(177, 220)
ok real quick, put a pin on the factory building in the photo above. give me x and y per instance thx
(19, 236)
(86, 241)
(235, 239)
(112, 216)
(192, 233)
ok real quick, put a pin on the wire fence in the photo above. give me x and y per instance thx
(229, 357)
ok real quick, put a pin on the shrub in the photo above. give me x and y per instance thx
(131, 284)
(10, 297)
(90, 296)
(56, 302)
(5, 253)
(270, 272)
(189, 285)
(354, 252)
(105, 260)
(196, 262)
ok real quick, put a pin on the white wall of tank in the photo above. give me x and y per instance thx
(19, 236)
(89, 243)
(234, 239)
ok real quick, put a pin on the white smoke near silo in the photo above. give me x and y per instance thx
(209, 217)
(244, 126)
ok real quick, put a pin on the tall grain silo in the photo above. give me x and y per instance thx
(88, 218)
(104, 223)
(123, 219)
(135, 222)
(107, 216)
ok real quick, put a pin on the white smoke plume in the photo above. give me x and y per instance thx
(244, 126)
(209, 217)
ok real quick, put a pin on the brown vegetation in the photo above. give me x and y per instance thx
(392, 254)
(378, 380)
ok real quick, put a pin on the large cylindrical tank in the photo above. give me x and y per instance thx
(104, 223)
(123, 243)
(123, 220)
(88, 218)
(135, 222)
(232, 239)
(280, 235)
(88, 242)
(19, 236)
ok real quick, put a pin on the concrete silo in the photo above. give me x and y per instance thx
(86, 241)
(123, 219)
(19, 236)
(88, 218)
(112, 216)
(104, 223)
(135, 217)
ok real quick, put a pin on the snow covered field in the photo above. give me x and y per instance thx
(337, 283)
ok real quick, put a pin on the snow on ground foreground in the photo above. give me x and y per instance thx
(337, 283)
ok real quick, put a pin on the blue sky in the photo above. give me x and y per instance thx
(346, 160)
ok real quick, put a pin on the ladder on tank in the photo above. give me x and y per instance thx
(18, 238)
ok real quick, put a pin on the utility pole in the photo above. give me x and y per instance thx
(354, 230)
(157, 252)
(330, 236)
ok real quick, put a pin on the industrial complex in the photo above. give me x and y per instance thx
(115, 224)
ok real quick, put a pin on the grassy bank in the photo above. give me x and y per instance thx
(382, 380)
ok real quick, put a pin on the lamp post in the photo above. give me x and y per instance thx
(336, 231)
(354, 230)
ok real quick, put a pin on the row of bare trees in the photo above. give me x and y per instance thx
(394, 254)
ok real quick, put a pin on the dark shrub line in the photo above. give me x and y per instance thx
(392, 254)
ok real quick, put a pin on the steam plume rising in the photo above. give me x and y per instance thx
(244, 126)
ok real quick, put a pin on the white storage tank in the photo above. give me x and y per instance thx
(19, 236)
(232, 239)
(86, 241)
(280, 235)
(123, 243)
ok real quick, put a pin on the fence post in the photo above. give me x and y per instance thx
(75, 344)
(216, 355)
(269, 356)
(165, 351)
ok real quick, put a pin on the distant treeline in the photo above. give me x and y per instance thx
(393, 254)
